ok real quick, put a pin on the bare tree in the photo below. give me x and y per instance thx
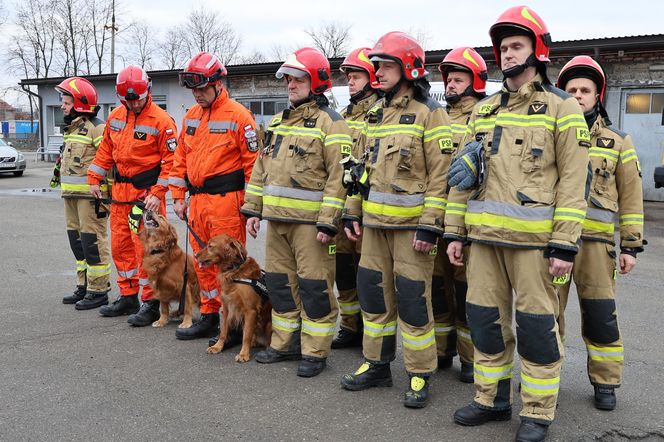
(72, 26)
(332, 39)
(99, 12)
(204, 30)
(422, 35)
(139, 37)
(172, 50)
(253, 57)
(279, 52)
(33, 47)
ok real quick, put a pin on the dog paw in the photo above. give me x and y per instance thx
(185, 325)
(240, 357)
(159, 323)
(215, 349)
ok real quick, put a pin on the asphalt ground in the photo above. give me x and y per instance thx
(70, 375)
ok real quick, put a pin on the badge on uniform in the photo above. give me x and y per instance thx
(537, 109)
(169, 131)
(582, 134)
(310, 123)
(191, 130)
(83, 131)
(561, 280)
(407, 119)
(251, 137)
(433, 251)
(445, 145)
(140, 136)
(346, 149)
(485, 109)
(332, 249)
(172, 144)
(607, 143)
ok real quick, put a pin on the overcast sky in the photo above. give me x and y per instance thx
(262, 23)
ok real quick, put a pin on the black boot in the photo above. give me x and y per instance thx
(467, 374)
(205, 327)
(531, 431)
(472, 415)
(605, 398)
(91, 300)
(146, 315)
(124, 305)
(78, 294)
(310, 367)
(417, 395)
(270, 356)
(233, 339)
(445, 362)
(370, 374)
(347, 339)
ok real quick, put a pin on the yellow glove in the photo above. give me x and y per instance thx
(134, 218)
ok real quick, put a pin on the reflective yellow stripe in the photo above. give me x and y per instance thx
(471, 165)
(394, 129)
(628, 155)
(389, 210)
(598, 226)
(290, 203)
(67, 187)
(456, 209)
(540, 387)
(510, 119)
(605, 353)
(418, 342)
(443, 328)
(349, 308)
(569, 214)
(338, 138)
(435, 202)
(353, 124)
(285, 324)
(81, 266)
(572, 120)
(99, 270)
(297, 130)
(97, 141)
(376, 330)
(631, 219)
(459, 128)
(492, 375)
(464, 334)
(504, 222)
(437, 132)
(77, 138)
(318, 328)
(603, 153)
(329, 201)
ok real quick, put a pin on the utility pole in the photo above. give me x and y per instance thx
(113, 29)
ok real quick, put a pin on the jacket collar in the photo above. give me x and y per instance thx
(306, 110)
(403, 100)
(362, 106)
(464, 106)
(220, 100)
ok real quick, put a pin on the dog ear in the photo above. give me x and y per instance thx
(173, 233)
(240, 249)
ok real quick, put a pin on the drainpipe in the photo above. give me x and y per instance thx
(41, 123)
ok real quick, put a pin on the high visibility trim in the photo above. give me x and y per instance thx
(353, 124)
(97, 141)
(73, 179)
(290, 203)
(458, 128)
(143, 281)
(349, 308)
(569, 214)
(162, 182)
(128, 273)
(285, 324)
(456, 209)
(492, 375)
(222, 125)
(598, 226)
(210, 293)
(469, 163)
(418, 342)
(603, 153)
(394, 129)
(631, 219)
(338, 138)
(254, 190)
(70, 187)
(289, 192)
(175, 181)
(192, 123)
(510, 217)
(76, 138)
(329, 201)
(437, 132)
(396, 199)
(628, 155)
(151, 130)
(117, 124)
(540, 387)
(379, 330)
(464, 334)
(603, 215)
(443, 328)
(318, 328)
(98, 170)
(394, 211)
(99, 270)
(615, 353)
(572, 120)
(285, 130)
(81, 266)
(435, 202)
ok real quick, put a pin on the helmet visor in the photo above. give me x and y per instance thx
(293, 72)
(193, 80)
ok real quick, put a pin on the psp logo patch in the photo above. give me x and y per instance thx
(582, 134)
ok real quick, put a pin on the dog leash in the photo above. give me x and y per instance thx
(202, 245)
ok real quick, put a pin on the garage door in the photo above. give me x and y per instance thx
(641, 111)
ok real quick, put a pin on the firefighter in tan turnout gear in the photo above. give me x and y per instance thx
(400, 176)
(296, 185)
(464, 75)
(362, 82)
(527, 165)
(615, 189)
(86, 221)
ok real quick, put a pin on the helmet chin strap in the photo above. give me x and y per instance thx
(455, 98)
(389, 95)
(520, 68)
(365, 92)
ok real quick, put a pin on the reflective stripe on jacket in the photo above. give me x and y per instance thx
(82, 138)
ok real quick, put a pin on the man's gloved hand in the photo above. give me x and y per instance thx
(467, 168)
(55, 180)
(134, 218)
(355, 178)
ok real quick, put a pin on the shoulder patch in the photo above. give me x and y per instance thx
(554, 90)
(537, 108)
(334, 115)
(617, 131)
(607, 143)
(429, 102)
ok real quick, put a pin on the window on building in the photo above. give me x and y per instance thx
(280, 106)
(638, 103)
(268, 108)
(256, 108)
(58, 118)
(657, 103)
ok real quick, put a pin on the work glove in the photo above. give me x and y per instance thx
(55, 180)
(355, 178)
(134, 218)
(467, 168)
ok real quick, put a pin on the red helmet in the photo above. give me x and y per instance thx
(133, 83)
(403, 49)
(358, 60)
(468, 60)
(203, 69)
(311, 62)
(83, 93)
(583, 66)
(521, 20)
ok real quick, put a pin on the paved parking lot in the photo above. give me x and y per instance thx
(69, 375)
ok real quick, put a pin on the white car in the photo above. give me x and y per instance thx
(11, 160)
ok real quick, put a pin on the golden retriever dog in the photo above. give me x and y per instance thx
(242, 305)
(163, 261)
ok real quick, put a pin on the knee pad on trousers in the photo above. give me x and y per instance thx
(315, 300)
(484, 330)
(460, 290)
(369, 292)
(600, 323)
(411, 303)
(90, 249)
(388, 348)
(279, 291)
(345, 277)
(536, 340)
(438, 298)
(75, 244)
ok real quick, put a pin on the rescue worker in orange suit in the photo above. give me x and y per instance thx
(139, 140)
(401, 177)
(86, 221)
(362, 85)
(296, 185)
(526, 164)
(616, 188)
(464, 75)
(217, 149)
